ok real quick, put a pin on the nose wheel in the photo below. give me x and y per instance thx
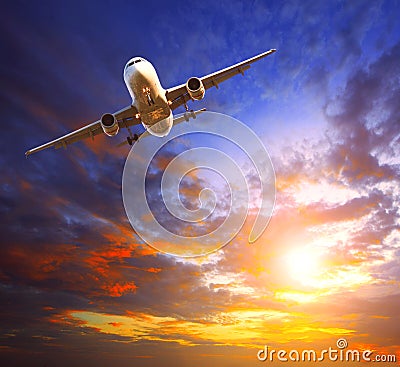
(147, 93)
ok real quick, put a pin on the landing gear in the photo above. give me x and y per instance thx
(132, 139)
(147, 93)
(189, 114)
(150, 100)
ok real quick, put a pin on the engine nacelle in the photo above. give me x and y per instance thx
(109, 124)
(195, 88)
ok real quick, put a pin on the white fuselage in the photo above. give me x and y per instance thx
(148, 96)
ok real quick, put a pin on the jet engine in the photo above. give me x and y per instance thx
(195, 88)
(109, 124)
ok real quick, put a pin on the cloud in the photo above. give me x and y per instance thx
(365, 117)
(67, 247)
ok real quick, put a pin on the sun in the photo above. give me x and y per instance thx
(304, 265)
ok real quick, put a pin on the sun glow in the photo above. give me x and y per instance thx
(299, 297)
(307, 268)
(303, 265)
(238, 327)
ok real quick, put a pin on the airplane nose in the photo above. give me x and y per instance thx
(133, 70)
(130, 72)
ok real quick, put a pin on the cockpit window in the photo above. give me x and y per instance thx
(133, 62)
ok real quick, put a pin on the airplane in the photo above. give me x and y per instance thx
(152, 105)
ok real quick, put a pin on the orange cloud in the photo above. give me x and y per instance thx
(119, 289)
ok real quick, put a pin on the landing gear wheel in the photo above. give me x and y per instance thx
(132, 139)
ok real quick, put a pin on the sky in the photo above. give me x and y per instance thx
(78, 287)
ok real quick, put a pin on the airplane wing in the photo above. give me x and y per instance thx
(125, 118)
(179, 95)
